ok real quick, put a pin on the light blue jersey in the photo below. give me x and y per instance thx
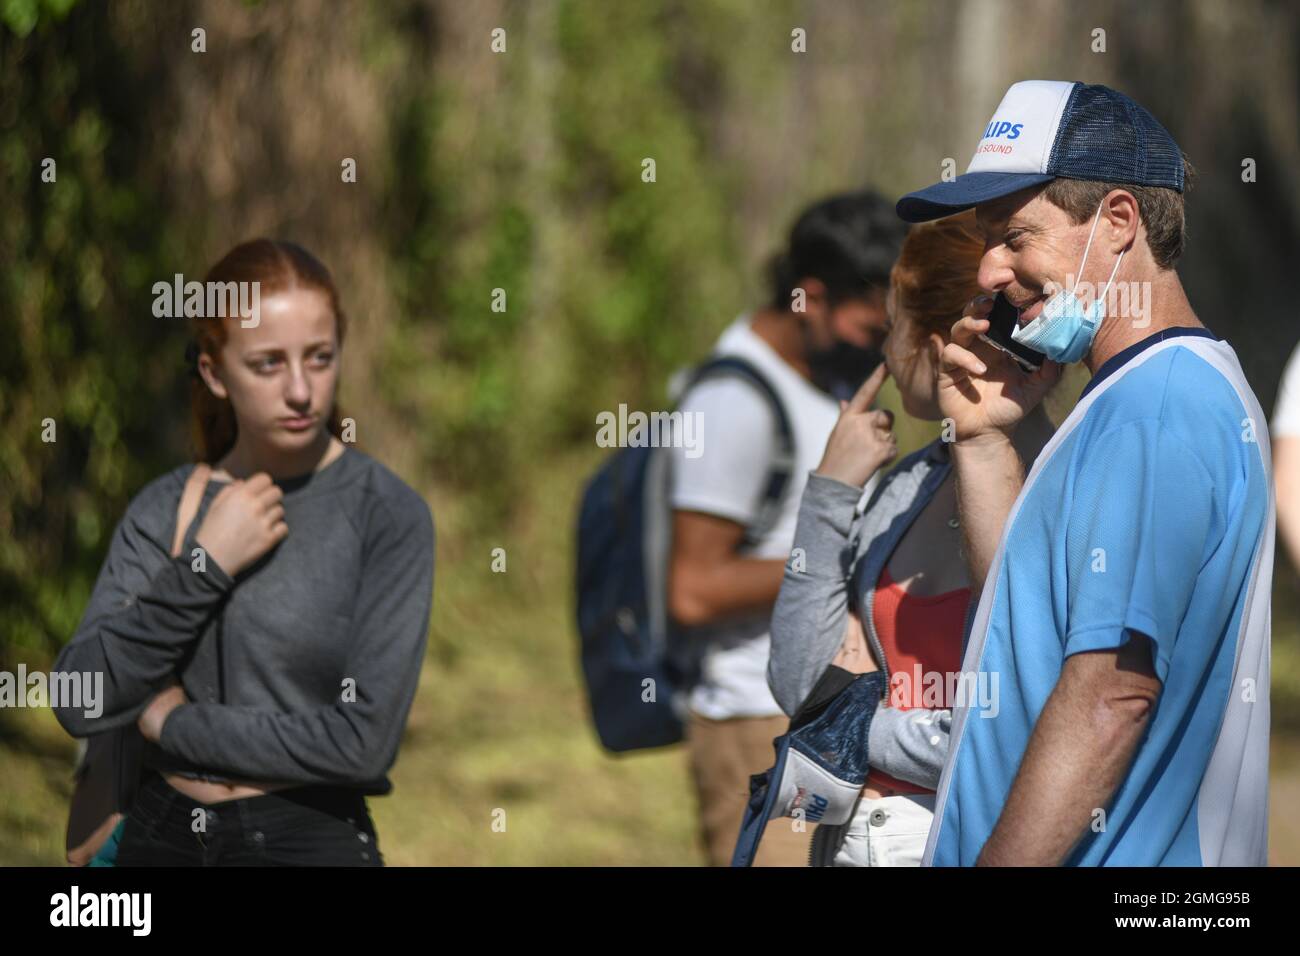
(1150, 510)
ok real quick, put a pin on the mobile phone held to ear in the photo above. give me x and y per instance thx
(1002, 322)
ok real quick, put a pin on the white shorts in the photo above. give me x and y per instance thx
(889, 831)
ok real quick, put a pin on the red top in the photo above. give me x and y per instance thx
(921, 637)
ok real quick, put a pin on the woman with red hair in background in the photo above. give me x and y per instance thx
(887, 588)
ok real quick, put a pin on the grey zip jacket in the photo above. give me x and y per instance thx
(843, 554)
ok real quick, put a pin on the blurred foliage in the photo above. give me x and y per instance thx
(543, 198)
(79, 253)
(21, 16)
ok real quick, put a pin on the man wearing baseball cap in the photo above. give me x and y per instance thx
(1126, 579)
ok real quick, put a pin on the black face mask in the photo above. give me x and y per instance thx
(841, 369)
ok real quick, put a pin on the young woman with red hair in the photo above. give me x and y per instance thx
(271, 665)
(886, 588)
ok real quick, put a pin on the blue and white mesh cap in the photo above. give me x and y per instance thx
(1045, 129)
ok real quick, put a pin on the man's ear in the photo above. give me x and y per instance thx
(1120, 210)
(211, 376)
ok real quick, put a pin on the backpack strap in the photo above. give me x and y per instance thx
(191, 495)
(782, 466)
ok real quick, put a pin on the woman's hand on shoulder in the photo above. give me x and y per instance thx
(245, 521)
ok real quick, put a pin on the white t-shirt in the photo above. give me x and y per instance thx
(727, 478)
(1286, 411)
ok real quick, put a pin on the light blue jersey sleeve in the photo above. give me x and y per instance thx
(1140, 517)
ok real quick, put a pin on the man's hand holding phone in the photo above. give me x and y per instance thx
(982, 389)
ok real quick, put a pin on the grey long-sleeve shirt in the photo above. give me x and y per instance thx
(300, 670)
(842, 553)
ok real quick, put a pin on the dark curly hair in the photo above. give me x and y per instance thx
(849, 241)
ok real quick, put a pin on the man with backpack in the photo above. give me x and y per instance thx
(735, 497)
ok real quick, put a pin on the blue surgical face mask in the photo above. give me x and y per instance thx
(1064, 330)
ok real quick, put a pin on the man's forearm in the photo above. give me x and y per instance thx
(714, 592)
(989, 477)
(1079, 752)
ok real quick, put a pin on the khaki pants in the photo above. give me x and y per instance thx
(724, 754)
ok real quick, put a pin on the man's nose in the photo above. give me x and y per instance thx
(995, 273)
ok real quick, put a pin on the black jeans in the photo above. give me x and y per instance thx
(301, 826)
